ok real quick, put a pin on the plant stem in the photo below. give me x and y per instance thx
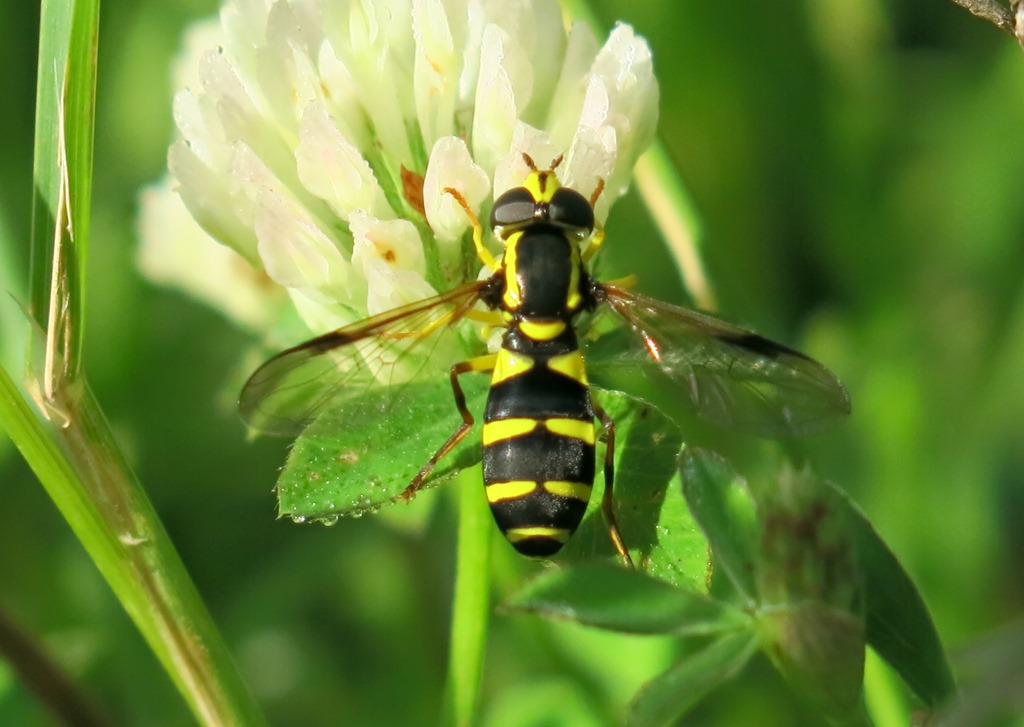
(471, 606)
(991, 11)
(75, 456)
(45, 678)
(676, 216)
(665, 196)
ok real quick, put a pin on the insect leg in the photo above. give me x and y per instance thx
(490, 317)
(598, 237)
(624, 283)
(595, 244)
(596, 194)
(478, 231)
(609, 476)
(478, 364)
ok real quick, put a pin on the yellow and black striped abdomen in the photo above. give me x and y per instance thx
(538, 441)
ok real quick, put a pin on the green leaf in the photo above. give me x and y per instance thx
(665, 699)
(618, 599)
(899, 626)
(722, 505)
(655, 522)
(897, 622)
(355, 459)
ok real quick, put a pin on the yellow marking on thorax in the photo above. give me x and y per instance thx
(500, 491)
(542, 185)
(510, 364)
(573, 490)
(573, 300)
(503, 429)
(541, 330)
(568, 364)
(575, 428)
(513, 296)
(514, 535)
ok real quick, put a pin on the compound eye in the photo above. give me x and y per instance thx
(514, 207)
(569, 208)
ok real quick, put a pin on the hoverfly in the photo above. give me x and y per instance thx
(539, 429)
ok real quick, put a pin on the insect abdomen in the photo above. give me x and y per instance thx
(538, 452)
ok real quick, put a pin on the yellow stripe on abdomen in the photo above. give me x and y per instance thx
(501, 429)
(514, 535)
(568, 364)
(510, 364)
(573, 490)
(500, 491)
(514, 489)
(575, 428)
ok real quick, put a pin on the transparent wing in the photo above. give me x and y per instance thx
(732, 375)
(335, 369)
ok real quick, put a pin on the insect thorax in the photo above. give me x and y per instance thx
(543, 274)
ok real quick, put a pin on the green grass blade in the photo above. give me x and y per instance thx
(86, 474)
(65, 123)
(115, 522)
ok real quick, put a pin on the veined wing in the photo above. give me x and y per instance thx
(732, 375)
(335, 369)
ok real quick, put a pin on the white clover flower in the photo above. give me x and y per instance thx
(317, 139)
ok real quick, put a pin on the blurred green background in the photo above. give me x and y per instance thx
(857, 166)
